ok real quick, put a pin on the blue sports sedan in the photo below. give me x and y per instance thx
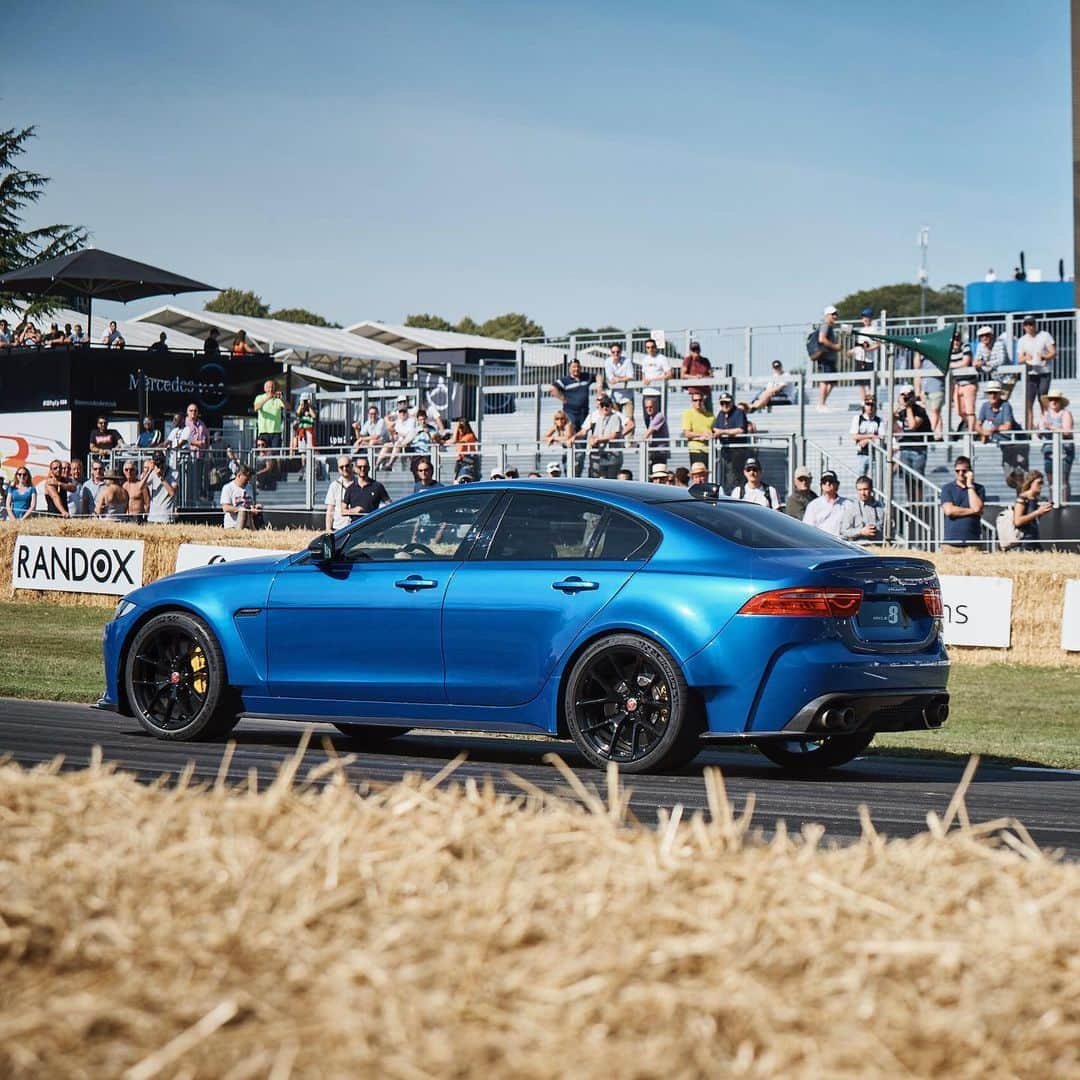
(633, 618)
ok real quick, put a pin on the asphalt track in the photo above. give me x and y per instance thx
(898, 791)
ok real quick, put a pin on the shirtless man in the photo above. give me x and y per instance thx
(135, 486)
(113, 500)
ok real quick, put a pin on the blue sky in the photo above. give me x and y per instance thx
(687, 164)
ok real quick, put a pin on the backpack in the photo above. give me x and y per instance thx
(813, 345)
(1007, 533)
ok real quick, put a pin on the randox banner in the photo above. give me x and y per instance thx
(63, 564)
(978, 610)
(189, 556)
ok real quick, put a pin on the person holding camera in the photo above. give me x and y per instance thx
(1027, 509)
(912, 425)
(270, 408)
(962, 503)
(237, 503)
(160, 487)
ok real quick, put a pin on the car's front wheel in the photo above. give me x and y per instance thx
(626, 701)
(174, 675)
(806, 757)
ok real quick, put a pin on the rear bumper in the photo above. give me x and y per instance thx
(886, 711)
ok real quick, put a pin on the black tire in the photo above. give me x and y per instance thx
(811, 757)
(626, 701)
(174, 675)
(371, 734)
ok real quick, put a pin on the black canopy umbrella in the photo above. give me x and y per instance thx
(95, 273)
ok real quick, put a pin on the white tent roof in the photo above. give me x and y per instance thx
(412, 338)
(314, 345)
(136, 334)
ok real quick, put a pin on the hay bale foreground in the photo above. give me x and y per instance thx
(419, 931)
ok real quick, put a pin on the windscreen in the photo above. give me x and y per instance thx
(753, 526)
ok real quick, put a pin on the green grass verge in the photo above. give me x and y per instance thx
(1020, 714)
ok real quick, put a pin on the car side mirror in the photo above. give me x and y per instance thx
(323, 547)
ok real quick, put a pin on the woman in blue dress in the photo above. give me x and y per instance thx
(21, 497)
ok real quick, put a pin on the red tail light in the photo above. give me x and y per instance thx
(822, 603)
(932, 599)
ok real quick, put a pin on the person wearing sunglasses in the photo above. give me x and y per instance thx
(21, 498)
(697, 427)
(753, 490)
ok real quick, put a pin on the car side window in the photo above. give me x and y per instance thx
(623, 538)
(432, 529)
(546, 527)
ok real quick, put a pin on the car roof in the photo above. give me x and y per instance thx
(634, 490)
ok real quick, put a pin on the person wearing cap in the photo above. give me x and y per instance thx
(912, 426)
(1036, 350)
(962, 503)
(964, 368)
(697, 425)
(696, 365)
(656, 432)
(1055, 418)
(826, 512)
(802, 495)
(654, 368)
(403, 425)
(779, 385)
(866, 431)
(863, 518)
(753, 490)
(149, 436)
(603, 432)
(730, 428)
(828, 353)
(866, 350)
(1001, 355)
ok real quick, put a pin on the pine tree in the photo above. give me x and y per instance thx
(19, 189)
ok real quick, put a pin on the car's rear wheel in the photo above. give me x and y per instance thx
(174, 676)
(626, 701)
(806, 757)
(371, 734)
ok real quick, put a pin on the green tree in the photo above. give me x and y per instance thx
(238, 302)
(903, 299)
(19, 189)
(428, 322)
(510, 326)
(466, 325)
(302, 315)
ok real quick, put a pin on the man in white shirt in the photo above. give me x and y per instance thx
(866, 350)
(753, 490)
(237, 505)
(826, 512)
(1035, 349)
(404, 425)
(604, 431)
(618, 373)
(779, 384)
(654, 368)
(337, 493)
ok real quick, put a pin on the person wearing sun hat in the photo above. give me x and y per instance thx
(1056, 417)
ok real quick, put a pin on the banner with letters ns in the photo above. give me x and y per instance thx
(978, 610)
(68, 564)
(192, 555)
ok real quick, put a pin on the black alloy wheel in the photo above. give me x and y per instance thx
(174, 675)
(626, 701)
(808, 757)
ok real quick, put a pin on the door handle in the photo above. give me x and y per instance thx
(575, 585)
(414, 582)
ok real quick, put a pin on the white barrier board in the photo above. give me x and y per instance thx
(1070, 618)
(191, 555)
(978, 610)
(66, 564)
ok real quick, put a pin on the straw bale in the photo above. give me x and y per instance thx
(424, 930)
